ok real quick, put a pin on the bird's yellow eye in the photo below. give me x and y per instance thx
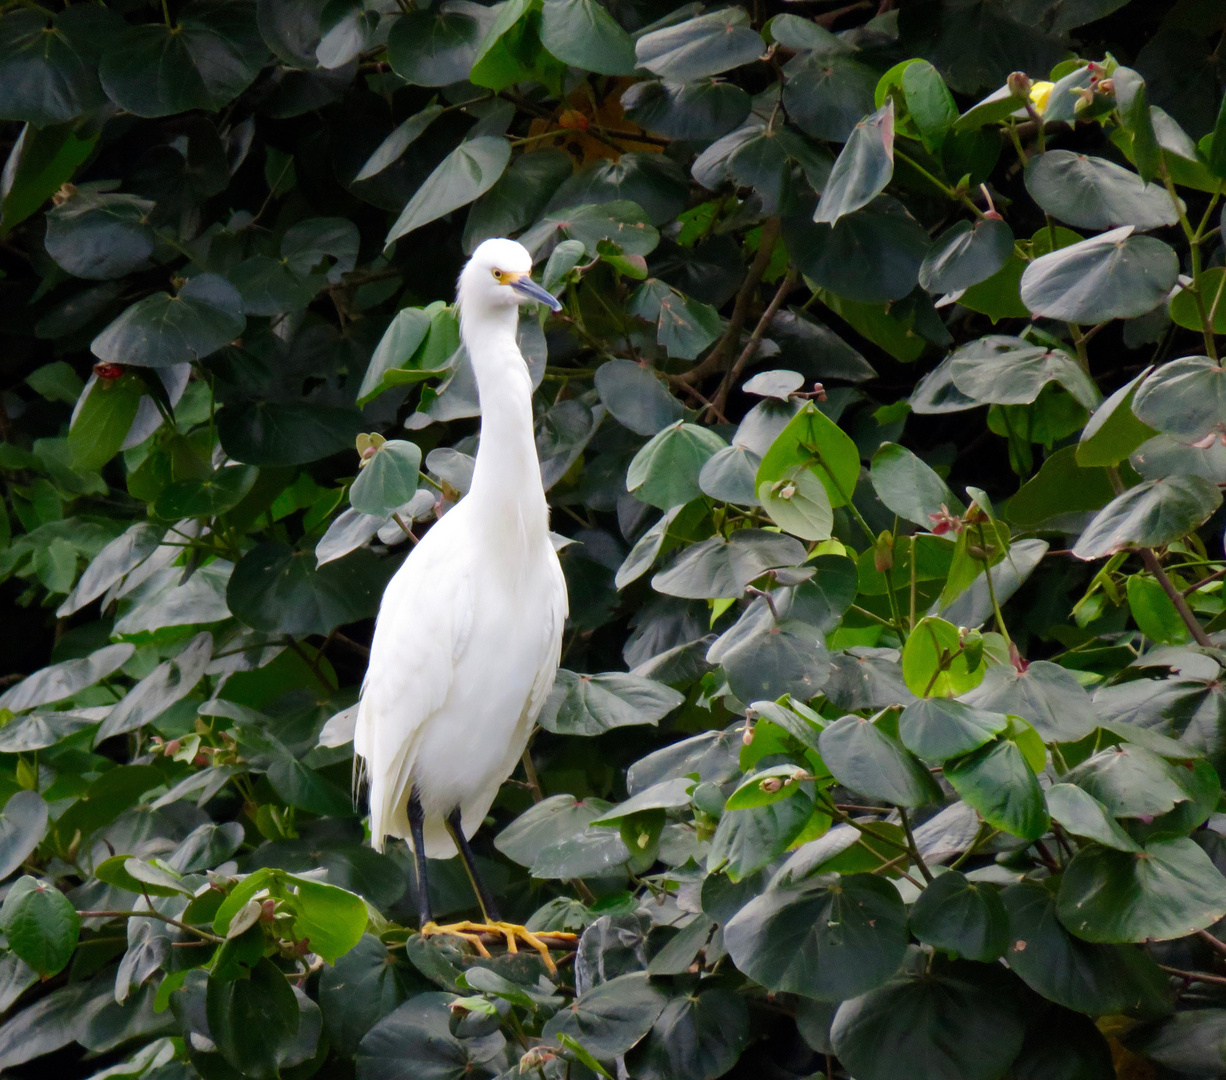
(497, 275)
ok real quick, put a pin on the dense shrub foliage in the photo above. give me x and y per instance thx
(884, 429)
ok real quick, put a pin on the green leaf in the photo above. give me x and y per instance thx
(1164, 892)
(329, 919)
(277, 589)
(23, 824)
(1185, 398)
(636, 397)
(1116, 275)
(695, 109)
(684, 327)
(798, 503)
(998, 782)
(768, 653)
(1130, 781)
(1062, 490)
(665, 472)
(100, 236)
(620, 221)
(1009, 371)
(44, 78)
(865, 759)
(253, 1020)
(388, 479)
(418, 1031)
(930, 105)
(863, 168)
(215, 494)
(594, 704)
(965, 918)
(363, 986)
(870, 256)
(909, 487)
(611, 1017)
(270, 433)
(745, 841)
(722, 568)
(966, 254)
(960, 1021)
(400, 341)
(1154, 612)
(518, 198)
(209, 57)
(583, 34)
(1183, 309)
(701, 46)
(1079, 813)
(39, 164)
(103, 421)
(436, 47)
(699, 1035)
(1114, 431)
(937, 729)
(65, 679)
(41, 925)
(934, 663)
(827, 94)
(163, 330)
(1045, 694)
(828, 938)
(471, 169)
(1095, 979)
(1093, 193)
(813, 441)
(1151, 514)
(171, 681)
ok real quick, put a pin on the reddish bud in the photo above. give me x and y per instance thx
(173, 747)
(108, 371)
(268, 908)
(200, 759)
(771, 784)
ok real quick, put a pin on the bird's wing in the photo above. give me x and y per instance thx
(424, 624)
(555, 621)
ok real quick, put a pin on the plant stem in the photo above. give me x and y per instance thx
(911, 845)
(204, 934)
(720, 400)
(1195, 976)
(946, 190)
(1181, 605)
(1211, 941)
(987, 574)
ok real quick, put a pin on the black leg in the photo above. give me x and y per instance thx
(416, 819)
(484, 897)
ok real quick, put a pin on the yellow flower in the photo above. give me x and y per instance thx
(1040, 94)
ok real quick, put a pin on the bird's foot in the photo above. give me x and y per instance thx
(511, 933)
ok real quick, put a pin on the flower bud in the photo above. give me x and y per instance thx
(268, 908)
(108, 372)
(172, 748)
(1019, 84)
(883, 552)
(771, 784)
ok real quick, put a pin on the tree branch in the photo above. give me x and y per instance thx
(720, 400)
(1181, 605)
(714, 360)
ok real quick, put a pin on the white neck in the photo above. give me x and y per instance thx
(507, 476)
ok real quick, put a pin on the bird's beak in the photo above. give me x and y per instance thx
(530, 290)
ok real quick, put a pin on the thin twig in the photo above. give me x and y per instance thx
(1208, 580)
(1181, 605)
(204, 934)
(1195, 976)
(714, 360)
(720, 401)
(912, 847)
(1210, 940)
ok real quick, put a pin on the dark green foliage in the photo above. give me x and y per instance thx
(884, 430)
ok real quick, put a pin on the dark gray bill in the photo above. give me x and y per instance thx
(530, 290)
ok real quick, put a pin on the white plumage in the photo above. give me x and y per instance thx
(469, 632)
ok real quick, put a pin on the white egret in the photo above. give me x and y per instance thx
(469, 631)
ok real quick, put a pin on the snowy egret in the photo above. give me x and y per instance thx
(469, 631)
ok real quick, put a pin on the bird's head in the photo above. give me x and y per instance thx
(498, 277)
